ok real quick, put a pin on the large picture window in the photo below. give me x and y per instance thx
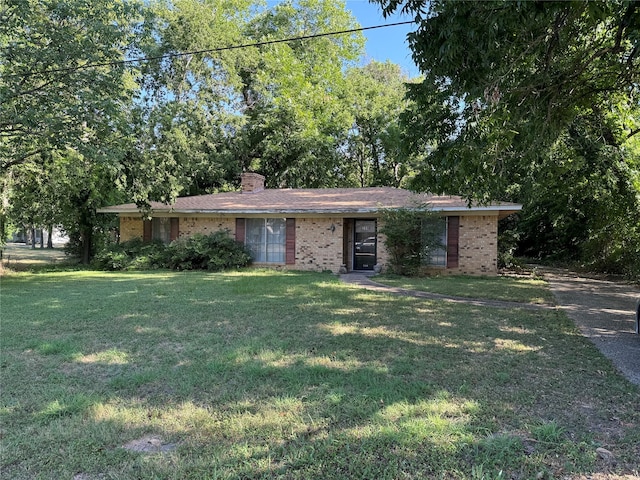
(434, 241)
(266, 237)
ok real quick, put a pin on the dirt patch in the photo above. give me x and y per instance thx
(150, 444)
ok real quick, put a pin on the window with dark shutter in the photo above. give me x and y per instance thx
(240, 228)
(146, 231)
(175, 229)
(453, 235)
(434, 241)
(291, 242)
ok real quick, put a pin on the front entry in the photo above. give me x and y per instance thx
(364, 253)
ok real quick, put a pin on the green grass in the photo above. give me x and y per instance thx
(505, 288)
(295, 376)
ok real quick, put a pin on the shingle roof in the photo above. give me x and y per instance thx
(313, 201)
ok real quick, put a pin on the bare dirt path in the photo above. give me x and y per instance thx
(604, 312)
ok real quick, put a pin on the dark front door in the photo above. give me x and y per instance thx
(364, 253)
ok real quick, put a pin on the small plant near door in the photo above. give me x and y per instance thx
(407, 240)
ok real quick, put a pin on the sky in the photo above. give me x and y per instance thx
(384, 43)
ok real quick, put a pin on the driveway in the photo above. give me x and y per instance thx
(605, 313)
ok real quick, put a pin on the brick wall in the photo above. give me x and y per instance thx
(478, 245)
(317, 246)
(205, 225)
(130, 228)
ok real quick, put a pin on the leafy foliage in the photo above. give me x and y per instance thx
(214, 252)
(407, 241)
(374, 142)
(131, 255)
(535, 102)
(49, 101)
(73, 139)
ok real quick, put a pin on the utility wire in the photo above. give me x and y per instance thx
(208, 50)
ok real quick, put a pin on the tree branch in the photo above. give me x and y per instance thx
(4, 166)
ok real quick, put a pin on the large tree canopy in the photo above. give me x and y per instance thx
(74, 117)
(537, 102)
(48, 99)
(503, 80)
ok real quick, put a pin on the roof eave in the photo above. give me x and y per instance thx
(501, 210)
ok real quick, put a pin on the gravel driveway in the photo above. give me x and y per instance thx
(605, 313)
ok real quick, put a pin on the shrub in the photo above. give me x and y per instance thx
(214, 252)
(408, 239)
(131, 255)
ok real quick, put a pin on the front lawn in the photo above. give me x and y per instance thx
(297, 376)
(505, 288)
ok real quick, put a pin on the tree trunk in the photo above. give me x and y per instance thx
(50, 238)
(33, 238)
(42, 238)
(87, 239)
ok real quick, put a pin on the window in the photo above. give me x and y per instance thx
(434, 241)
(161, 229)
(266, 237)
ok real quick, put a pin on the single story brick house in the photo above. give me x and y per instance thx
(333, 229)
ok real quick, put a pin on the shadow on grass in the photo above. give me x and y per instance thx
(263, 375)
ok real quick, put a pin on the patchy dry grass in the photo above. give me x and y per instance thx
(20, 257)
(297, 376)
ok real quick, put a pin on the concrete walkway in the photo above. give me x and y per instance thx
(605, 313)
(364, 280)
(603, 310)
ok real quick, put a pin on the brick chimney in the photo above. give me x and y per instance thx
(252, 182)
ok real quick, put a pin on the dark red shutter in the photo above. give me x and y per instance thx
(453, 235)
(240, 225)
(290, 255)
(175, 229)
(146, 230)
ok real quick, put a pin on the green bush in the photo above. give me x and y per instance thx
(408, 239)
(214, 252)
(131, 255)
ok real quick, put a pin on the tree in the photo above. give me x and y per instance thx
(188, 107)
(518, 97)
(63, 190)
(410, 237)
(278, 109)
(374, 143)
(63, 94)
(48, 99)
(295, 98)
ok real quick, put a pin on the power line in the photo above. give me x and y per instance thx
(208, 50)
